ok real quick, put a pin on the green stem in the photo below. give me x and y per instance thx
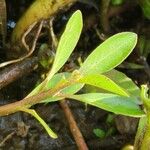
(142, 140)
(34, 99)
(145, 145)
(29, 101)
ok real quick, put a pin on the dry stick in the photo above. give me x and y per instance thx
(26, 46)
(13, 72)
(63, 103)
(73, 126)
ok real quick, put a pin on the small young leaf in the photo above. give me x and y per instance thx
(58, 79)
(50, 84)
(67, 42)
(70, 90)
(117, 2)
(111, 102)
(110, 53)
(103, 82)
(99, 133)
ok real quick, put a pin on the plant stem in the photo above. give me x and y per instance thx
(29, 101)
(142, 140)
(140, 133)
(146, 139)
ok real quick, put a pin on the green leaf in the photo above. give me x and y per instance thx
(65, 47)
(110, 53)
(117, 2)
(103, 82)
(67, 42)
(58, 79)
(111, 102)
(99, 133)
(123, 81)
(50, 84)
(70, 90)
(63, 77)
(41, 121)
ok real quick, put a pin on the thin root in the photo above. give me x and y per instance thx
(25, 45)
(9, 136)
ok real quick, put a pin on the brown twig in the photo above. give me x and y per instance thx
(13, 72)
(73, 126)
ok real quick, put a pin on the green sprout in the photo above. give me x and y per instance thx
(117, 93)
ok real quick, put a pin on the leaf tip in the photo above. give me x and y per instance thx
(132, 35)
